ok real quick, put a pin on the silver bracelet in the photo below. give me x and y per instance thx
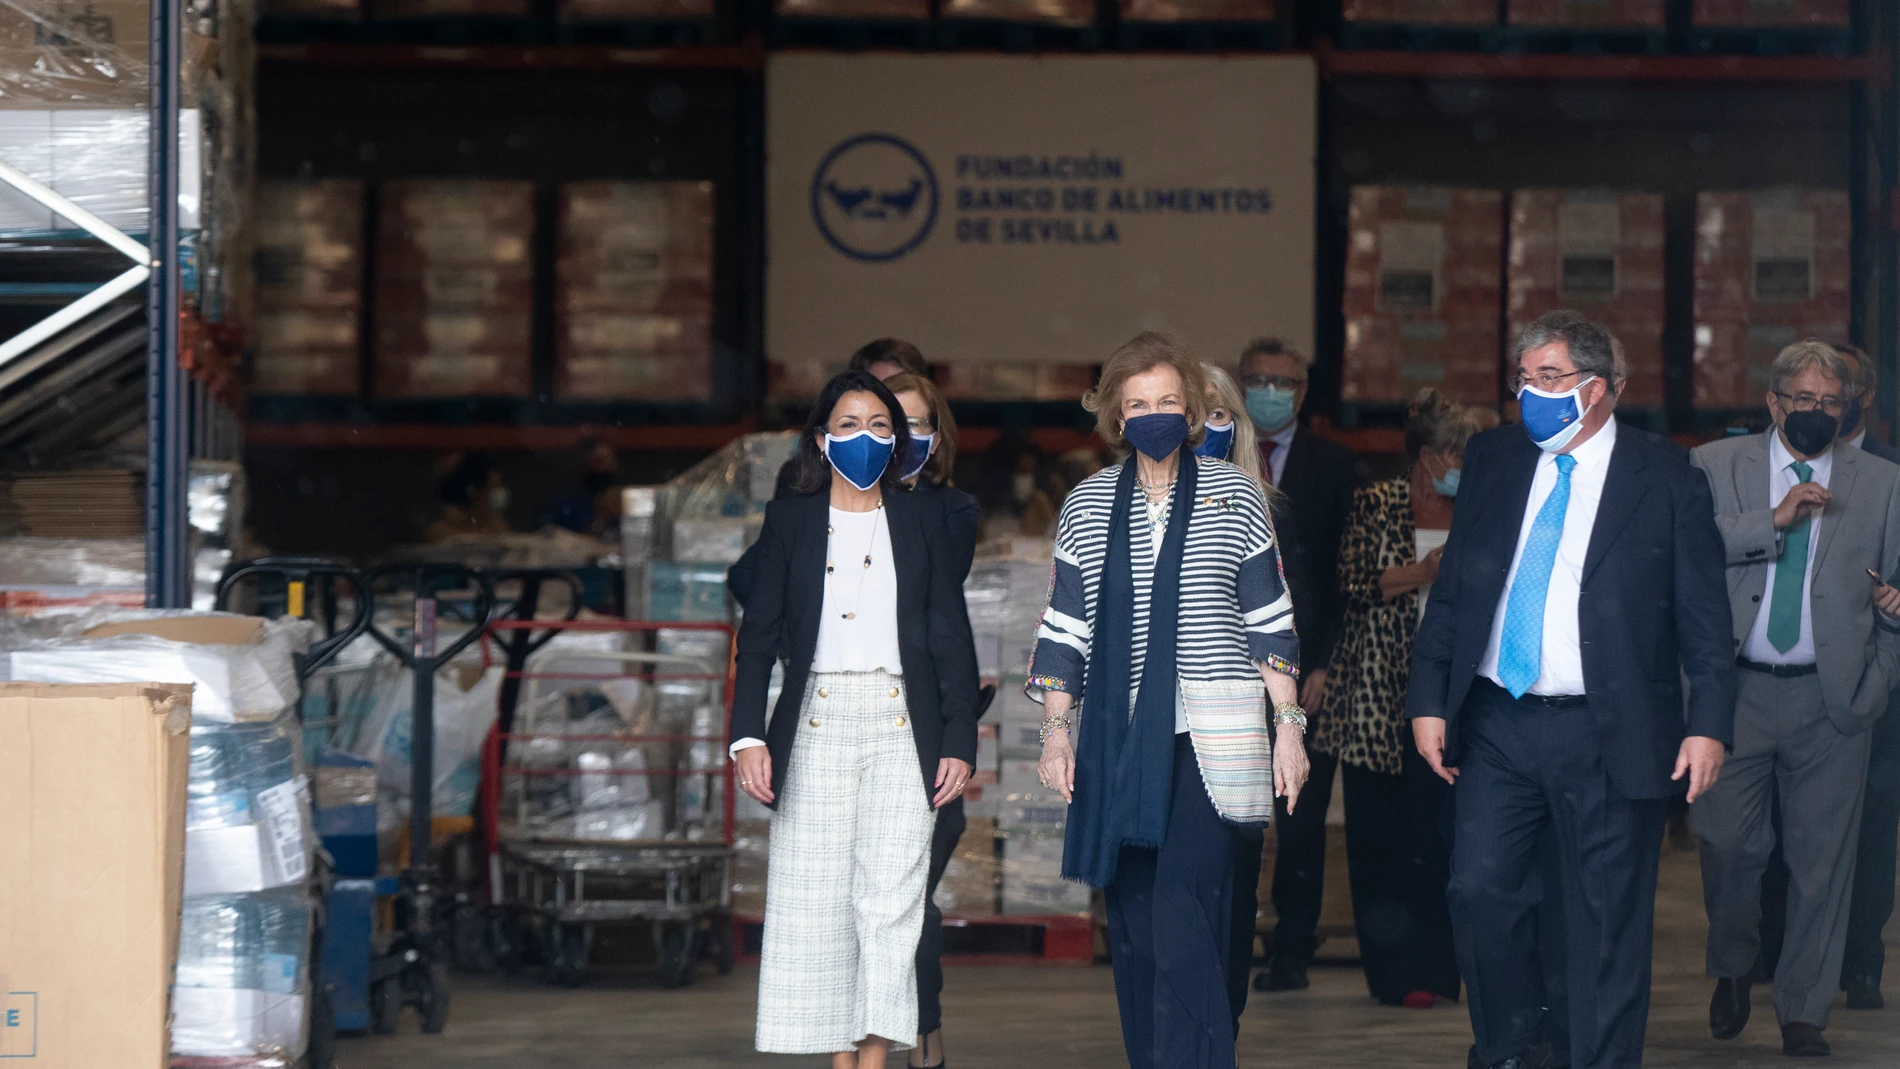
(1052, 724)
(1290, 713)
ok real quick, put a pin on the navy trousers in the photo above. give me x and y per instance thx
(1170, 928)
(943, 842)
(1529, 771)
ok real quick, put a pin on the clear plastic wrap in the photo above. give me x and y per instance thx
(247, 810)
(247, 680)
(243, 977)
(465, 697)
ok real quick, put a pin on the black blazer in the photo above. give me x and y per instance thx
(1318, 481)
(1653, 608)
(933, 628)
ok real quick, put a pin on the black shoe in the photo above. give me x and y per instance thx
(1802, 1040)
(1729, 1009)
(1282, 977)
(1863, 993)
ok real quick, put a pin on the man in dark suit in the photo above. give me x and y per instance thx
(1582, 580)
(1317, 475)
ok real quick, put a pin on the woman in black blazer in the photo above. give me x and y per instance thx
(858, 583)
(927, 468)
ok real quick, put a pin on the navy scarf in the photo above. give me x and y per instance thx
(1124, 764)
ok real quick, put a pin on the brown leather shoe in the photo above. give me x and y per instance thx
(1729, 1008)
(1803, 1040)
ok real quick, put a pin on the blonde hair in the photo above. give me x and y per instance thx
(943, 459)
(1145, 352)
(1246, 454)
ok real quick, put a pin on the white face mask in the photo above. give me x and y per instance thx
(498, 499)
(1024, 487)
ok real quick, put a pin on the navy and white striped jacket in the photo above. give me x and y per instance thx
(1234, 606)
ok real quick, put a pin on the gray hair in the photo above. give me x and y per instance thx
(1274, 347)
(1803, 355)
(1592, 349)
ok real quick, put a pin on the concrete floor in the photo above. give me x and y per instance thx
(1064, 1016)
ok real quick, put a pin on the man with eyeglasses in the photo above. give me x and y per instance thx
(1581, 583)
(1318, 476)
(1811, 527)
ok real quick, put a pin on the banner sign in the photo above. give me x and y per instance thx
(1037, 210)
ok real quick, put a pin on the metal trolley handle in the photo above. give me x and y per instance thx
(297, 574)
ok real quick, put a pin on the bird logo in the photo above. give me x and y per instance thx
(874, 197)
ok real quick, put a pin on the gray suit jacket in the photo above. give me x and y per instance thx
(1856, 649)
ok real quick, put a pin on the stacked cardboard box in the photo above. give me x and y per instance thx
(1429, 12)
(1771, 268)
(1052, 12)
(883, 10)
(1017, 382)
(1423, 288)
(1197, 10)
(454, 280)
(1715, 14)
(635, 10)
(1589, 14)
(1602, 254)
(634, 291)
(309, 271)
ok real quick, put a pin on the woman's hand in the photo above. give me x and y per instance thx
(755, 773)
(1290, 766)
(952, 776)
(1057, 767)
(1405, 578)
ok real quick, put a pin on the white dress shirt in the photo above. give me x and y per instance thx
(1781, 479)
(1859, 437)
(1561, 672)
(1282, 441)
(867, 640)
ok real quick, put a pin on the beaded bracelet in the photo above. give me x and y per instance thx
(1052, 724)
(1290, 713)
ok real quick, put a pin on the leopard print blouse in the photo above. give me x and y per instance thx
(1362, 718)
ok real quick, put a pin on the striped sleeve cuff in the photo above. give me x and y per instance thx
(1267, 612)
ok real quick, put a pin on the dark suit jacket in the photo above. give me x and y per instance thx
(933, 628)
(1875, 447)
(1318, 481)
(1653, 608)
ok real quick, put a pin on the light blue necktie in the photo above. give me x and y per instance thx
(1521, 653)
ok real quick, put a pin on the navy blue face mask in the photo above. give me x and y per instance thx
(1156, 435)
(860, 458)
(1218, 442)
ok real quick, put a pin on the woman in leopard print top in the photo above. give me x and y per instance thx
(1395, 853)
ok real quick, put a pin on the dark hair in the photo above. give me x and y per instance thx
(1433, 421)
(460, 486)
(1271, 346)
(813, 470)
(1592, 350)
(890, 351)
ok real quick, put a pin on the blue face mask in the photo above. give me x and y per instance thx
(1551, 419)
(1446, 485)
(1156, 435)
(1218, 443)
(1270, 408)
(921, 446)
(861, 458)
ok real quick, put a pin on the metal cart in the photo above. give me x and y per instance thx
(549, 887)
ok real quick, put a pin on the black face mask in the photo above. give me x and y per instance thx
(1810, 432)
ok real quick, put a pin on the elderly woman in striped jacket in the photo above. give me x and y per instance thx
(1168, 637)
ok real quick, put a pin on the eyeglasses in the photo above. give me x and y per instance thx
(1547, 381)
(1807, 402)
(920, 424)
(1280, 382)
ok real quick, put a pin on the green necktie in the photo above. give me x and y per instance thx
(1791, 573)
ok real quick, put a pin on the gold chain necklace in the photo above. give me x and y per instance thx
(831, 567)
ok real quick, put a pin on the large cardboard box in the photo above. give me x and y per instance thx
(1424, 274)
(92, 788)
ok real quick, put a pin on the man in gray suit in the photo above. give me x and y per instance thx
(1809, 527)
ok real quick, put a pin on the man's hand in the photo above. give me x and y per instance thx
(1886, 598)
(1803, 500)
(1701, 759)
(1313, 691)
(1428, 732)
